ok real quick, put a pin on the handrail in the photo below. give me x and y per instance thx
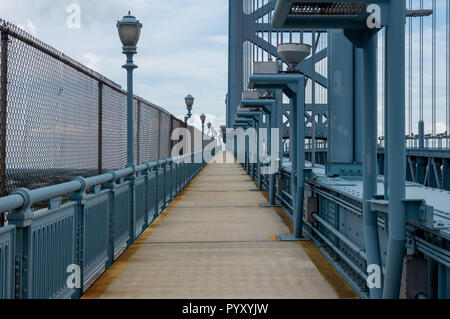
(18, 199)
(94, 228)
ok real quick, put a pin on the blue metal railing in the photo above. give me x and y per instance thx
(7, 241)
(103, 216)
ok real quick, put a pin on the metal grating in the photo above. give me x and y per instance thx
(52, 120)
(165, 135)
(327, 8)
(114, 155)
(60, 119)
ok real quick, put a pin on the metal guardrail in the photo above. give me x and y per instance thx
(7, 241)
(104, 216)
(438, 142)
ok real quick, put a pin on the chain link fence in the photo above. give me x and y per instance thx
(60, 119)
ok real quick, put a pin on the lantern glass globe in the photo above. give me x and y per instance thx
(129, 30)
(189, 101)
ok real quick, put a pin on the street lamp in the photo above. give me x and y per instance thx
(129, 32)
(189, 103)
(203, 119)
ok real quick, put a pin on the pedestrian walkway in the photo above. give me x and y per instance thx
(215, 242)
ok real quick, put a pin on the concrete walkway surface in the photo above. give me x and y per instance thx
(215, 242)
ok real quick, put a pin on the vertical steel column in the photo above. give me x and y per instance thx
(386, 116)
(446, 174)
(421, 66)
(397, 168)
(100, 126)
(313, 98)
(3, 110)
(298, 156)
(340, 101)
(273, 125)
(410, 68)
(235, 57)
(442, 281)
(247, 157)
(421, 134)
(259, 124)
(433, 61)
(358, 104)
(448, 73)
(370, 219)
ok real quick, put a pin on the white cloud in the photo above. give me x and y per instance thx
(29, 27)
(183, 47)
(91, 60)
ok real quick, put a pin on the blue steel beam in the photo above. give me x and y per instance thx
(235, 56)
(363, 37)
(269, 106)
(242, 27)
(397, 168)
(293, 85)
(257, 120)
(370, 219)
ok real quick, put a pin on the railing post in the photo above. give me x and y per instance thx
(179, 178)
(79, 198)
(146, 175)
(156, 169)
(164, 168)
(132, 179)
(22, 219)
(111, 229)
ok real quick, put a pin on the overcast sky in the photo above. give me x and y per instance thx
(183, 47)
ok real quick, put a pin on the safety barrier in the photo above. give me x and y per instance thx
(87, 224)
(7, 241)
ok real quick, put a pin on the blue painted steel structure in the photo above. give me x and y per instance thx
(88, 223)
(356, 217)
(90, 230)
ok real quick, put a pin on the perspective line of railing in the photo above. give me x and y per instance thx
(61, 250)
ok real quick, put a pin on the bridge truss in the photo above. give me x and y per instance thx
(334, 206)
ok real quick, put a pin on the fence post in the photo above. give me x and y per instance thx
(3, 110)
(170, 137)
(159, 135)
(138, 134)
(100, 126)
(79, 198)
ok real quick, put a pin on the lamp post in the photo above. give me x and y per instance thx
(203, 119)
(129, 32)
(189, 100)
